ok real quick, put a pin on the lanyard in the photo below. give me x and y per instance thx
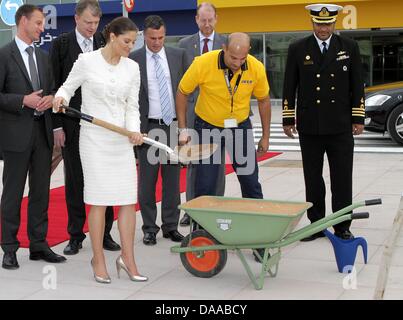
(232, 92)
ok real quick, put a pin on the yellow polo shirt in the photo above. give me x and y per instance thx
(214, 102)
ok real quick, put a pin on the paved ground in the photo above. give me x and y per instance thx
(307, 270)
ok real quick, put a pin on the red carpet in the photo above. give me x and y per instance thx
(57, 229)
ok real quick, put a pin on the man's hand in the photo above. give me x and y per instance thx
(357, 129)
(183, 138)
(290, 131)
(32, 100)
(59, 137)
(263, 146)
(45, 103)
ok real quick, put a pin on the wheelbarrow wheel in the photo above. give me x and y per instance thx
(202, 264)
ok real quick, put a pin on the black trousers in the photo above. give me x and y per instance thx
(74, 187)
(35, 162)
(339, 149)
(149, 167)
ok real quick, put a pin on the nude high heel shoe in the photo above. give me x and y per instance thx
(99, 279)
(121, 265)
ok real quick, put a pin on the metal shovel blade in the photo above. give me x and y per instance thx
(184, 154)
(196, 152)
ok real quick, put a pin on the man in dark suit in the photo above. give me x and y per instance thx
(161, 69)
(195, 45)
(63, 53)
(325, 69)
(26, 137)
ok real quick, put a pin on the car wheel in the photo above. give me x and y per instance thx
(395, 124)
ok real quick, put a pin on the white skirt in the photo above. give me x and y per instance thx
(109, 167)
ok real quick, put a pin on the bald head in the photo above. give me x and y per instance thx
(236, 50)
(238, 41)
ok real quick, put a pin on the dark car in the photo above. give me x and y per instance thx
(384, 110)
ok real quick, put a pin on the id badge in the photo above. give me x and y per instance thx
(230, 123)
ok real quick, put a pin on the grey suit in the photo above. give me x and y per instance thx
(148, 172)
(26, 142)
(192, 46)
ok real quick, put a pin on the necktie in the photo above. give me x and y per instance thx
(87, 45)
(205, 46)
(165, 101)
(324, 44)
(34, 74)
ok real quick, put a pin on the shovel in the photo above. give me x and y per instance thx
(183, 154)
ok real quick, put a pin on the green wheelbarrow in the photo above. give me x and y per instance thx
(239, 223)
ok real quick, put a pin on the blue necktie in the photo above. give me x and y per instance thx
(165, 101)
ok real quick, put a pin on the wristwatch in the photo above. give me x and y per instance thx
(180, 130)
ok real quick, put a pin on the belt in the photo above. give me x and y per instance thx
(37, 118)
(159, 121)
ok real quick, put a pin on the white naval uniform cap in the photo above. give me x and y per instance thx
(324, 13)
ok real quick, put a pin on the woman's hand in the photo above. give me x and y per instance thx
(57, 102)
(136, 138)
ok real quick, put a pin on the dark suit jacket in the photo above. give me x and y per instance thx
(330, 88)
(62, 63)
(192, 46)
(178, 63)
(16, 122)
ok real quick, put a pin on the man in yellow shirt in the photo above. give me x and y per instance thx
(227, 79)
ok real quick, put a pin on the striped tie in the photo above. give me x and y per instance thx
(87, 45)
(165, 101)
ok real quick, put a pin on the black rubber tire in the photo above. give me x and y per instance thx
(190, 259)
(395, 118)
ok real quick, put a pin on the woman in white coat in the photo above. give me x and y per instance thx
(110, 83)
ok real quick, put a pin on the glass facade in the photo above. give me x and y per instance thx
(381, 50)
(381, 55)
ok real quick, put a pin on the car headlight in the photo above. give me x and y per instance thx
(377, 100)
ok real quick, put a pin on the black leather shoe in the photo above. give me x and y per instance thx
(149, 239)
(261, 253)
(174, 235)
(73, 247)
(313, 237)
(185, 221)
(47, 255)
(10, 261)
(345, 235)
(110, 244)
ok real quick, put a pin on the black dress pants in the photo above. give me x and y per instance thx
(35, 162)
(339, 149)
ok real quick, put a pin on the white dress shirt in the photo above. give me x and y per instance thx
(80, 41)
(153, 89)
(320, 42)
(209, 44)
(22, 46)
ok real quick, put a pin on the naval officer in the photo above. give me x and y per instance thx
(324, 74)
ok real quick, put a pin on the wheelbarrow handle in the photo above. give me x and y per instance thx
(359, 215)
(373, 202)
